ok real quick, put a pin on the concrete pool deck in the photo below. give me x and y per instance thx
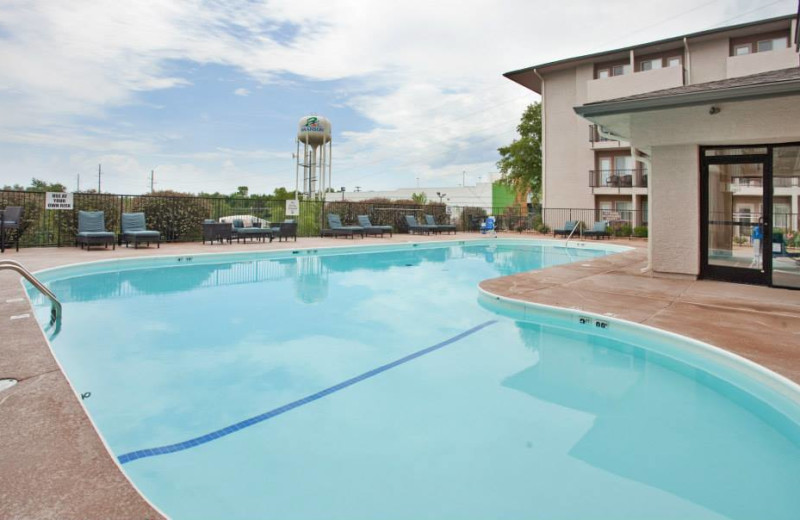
(55, 465)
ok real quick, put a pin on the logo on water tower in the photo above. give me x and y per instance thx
(313, 125)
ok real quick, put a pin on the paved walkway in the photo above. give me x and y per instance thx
(55, 466)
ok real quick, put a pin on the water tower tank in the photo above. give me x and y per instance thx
(315, 130)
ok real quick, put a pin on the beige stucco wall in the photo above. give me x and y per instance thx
(631, 84)
(675, 210)
(566, 142)
(762, 62)
(708, 60)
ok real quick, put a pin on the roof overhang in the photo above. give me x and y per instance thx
(742, 93)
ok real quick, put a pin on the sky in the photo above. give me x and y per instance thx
(208, 94)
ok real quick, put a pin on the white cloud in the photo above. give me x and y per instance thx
(427, 75)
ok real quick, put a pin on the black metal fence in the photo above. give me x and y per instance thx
(179, 218)
(620, 223)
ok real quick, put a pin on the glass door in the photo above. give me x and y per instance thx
(785, 243)
(734, 225)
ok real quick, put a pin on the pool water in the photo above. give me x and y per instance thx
(377, 385)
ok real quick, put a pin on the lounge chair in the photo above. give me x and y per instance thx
(369, 229)
(12, 221)
(599, 230)
(92, 230)
(254, 232)
(414, 227)
(567, 229)
(213, 230)
(335, 228)
(133, 229)
(285, 230)
(439, 228)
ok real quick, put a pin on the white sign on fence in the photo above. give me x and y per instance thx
(292, 208)
(611, 216)
(57, 200)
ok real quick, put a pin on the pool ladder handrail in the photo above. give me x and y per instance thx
(577, 225)
(55, 309)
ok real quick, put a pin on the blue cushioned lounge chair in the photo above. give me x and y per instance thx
(369, 229)
(133, 229)
(567, 229)
(439, 228)
(335, 228)
(92, 230)
(414, 227)
(599, 230)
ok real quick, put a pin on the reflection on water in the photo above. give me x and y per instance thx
(664, 424)
(309, 273)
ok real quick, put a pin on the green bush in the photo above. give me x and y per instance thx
(179, 216)
(471, 218)
(622, 230)
(543, 228)
(640, 231)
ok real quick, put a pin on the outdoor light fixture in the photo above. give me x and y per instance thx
(713, 110)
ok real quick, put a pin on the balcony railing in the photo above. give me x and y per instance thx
(635, 178)
(758, 182)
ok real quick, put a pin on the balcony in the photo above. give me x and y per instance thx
(618, 179)
(755, 185)
(632, 84)
(758, 62)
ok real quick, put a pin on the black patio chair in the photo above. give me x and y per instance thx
(11, 226)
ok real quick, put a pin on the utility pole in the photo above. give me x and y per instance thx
(79, 183)
(152, 174)
(99, 174)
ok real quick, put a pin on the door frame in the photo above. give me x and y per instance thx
(761, 276)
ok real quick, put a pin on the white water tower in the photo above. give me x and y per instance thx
(314, 133)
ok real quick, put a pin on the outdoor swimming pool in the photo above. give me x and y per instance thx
(380, 384)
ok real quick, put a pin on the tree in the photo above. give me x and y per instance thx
(521, 161)
(241, 191)
(419, 198)
(38, 185)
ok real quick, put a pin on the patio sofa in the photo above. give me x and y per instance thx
(254, 231)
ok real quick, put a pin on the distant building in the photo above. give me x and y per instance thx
(491, 196)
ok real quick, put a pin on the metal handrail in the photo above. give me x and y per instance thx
(577, 225)
(55, 309)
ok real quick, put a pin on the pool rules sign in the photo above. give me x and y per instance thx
(57, 200)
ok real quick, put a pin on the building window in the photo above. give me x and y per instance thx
(659, 61)
(650, 64)
(606, 70)
(760, 43)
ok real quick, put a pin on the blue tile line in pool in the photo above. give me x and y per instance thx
(197, 441)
